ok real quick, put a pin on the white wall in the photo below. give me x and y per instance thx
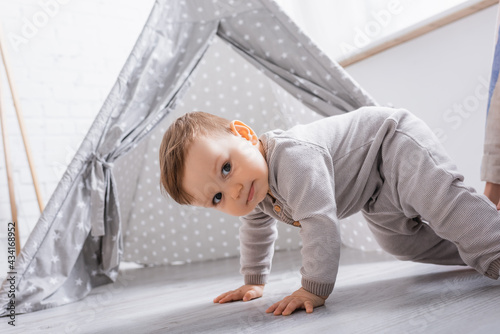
(346, 27)
(65, 57)
(442, 77)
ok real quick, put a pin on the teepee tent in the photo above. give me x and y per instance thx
(191, 55)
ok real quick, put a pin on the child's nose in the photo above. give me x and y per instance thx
(235, 190)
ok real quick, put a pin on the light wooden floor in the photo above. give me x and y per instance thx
(374, 294)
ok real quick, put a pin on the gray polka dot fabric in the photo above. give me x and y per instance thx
(159, 231)
(239, 59)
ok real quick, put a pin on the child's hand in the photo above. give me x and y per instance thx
(246, 292)
(300, 299)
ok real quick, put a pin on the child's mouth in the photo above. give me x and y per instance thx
(250, 193)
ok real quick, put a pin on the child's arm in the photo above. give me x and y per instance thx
(258, 233)
(257, 236)
(308, 190)
(246, 292)
(300, 299)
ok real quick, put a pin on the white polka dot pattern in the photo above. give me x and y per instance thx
(159, 231)
(355, 233)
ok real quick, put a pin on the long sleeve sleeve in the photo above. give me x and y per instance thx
(258, 233)
(306, 183)
(490, 166)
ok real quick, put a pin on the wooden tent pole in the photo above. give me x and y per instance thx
(20, 119)
(6, 152)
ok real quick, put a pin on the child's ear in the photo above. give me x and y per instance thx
(240, 129)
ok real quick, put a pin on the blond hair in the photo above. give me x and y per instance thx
(175, 145)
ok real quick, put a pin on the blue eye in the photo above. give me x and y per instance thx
(217, 198)
(226, 169)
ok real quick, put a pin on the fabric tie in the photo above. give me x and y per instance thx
(98, 183)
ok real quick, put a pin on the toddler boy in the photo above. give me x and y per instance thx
(383, 162)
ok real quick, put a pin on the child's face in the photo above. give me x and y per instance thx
(227, 172)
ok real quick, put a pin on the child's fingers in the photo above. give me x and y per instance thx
(222, 297)
(228, 298)
(292, 306)
(231, 297)
(281, 307)
(309, 307)
(250, 295)
(273, 307)
(288, 306)
(218, 298)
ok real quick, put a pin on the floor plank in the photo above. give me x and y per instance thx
(374, 294)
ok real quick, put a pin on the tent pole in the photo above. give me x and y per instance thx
(6, 152)
(20, 119)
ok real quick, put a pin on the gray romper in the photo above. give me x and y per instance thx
(384, 162)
